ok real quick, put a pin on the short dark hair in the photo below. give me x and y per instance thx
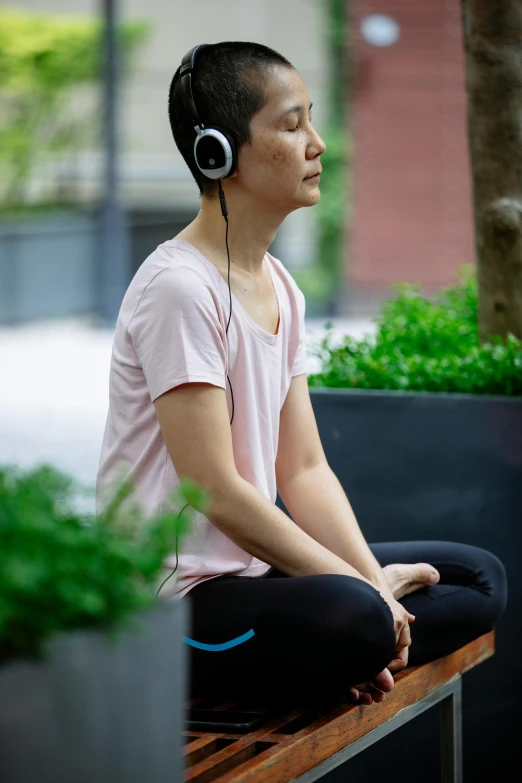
(229, 88)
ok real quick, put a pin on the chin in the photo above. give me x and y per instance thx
(313, 196)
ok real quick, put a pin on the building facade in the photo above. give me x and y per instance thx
(412, 201)
(153, 173)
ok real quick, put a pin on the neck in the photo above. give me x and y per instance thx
(251, 230)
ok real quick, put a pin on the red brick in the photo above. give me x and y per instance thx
(411, 192)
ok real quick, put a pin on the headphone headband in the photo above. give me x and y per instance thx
(187, 66)
(214, 150)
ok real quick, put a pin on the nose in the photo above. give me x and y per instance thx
(319, 143)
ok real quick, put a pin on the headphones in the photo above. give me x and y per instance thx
(215, 154)
(214, 151)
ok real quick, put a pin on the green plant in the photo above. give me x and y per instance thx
(423, 345)
(43, 59)
(64, 570)
(338, 29)
(315, 282)
(333, 206)
(318, 280)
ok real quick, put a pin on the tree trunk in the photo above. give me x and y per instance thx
(493, 46)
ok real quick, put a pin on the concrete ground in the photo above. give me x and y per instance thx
(54, 391)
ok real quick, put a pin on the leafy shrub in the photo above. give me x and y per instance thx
(44, 60)
(64, 570)
(319, 279)
(423, 345)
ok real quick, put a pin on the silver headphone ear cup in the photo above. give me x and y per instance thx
(231, 145)
(213, 154)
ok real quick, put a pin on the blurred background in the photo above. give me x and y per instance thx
(92, 181)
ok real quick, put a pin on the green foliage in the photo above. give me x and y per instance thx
(334, 203)
(318, 280)
(423, 345)
(332, 206)
(64, 570)
(315, 282)
(338, 27)
(42, 59)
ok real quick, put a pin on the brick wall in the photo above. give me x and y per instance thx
(412, 211)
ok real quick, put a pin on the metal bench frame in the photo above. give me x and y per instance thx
(304, 742)
(449, 696)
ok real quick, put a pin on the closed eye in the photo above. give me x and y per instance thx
(292, 130)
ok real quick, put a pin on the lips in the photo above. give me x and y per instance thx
(314, 175)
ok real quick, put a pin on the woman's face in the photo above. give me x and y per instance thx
(284, 148)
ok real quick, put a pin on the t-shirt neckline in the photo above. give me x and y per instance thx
(236, 304)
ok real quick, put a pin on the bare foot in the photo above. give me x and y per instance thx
(404, 578)
(373, 691)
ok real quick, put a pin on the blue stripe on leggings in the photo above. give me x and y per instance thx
(224, 646)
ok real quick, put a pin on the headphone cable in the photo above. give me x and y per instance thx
(224, 212)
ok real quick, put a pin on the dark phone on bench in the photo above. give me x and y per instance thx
(222, 720)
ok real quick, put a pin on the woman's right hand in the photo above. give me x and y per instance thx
(401, 623)
(366, 693)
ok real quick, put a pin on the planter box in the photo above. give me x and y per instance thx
(150, 227)
(95, 712)
(48, 263)
(440, 466)
(46, 266)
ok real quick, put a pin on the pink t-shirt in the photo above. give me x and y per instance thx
(171, 330)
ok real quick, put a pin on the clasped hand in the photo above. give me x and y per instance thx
(401, 579)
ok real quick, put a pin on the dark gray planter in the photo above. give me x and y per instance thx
(439, 466)
(46, 266)
(99, 712)
(49, 264)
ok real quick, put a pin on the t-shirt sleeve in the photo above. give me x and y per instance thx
(299, 366)
(176, 332)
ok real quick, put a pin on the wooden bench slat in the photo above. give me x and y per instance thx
(276, 753)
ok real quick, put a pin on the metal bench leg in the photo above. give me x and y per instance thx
(451, 735)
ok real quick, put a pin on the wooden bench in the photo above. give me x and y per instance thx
(304, 743)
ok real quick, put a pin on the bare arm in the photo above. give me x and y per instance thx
(312, 492)
(318, 503)
(259, 527)
(194, 422)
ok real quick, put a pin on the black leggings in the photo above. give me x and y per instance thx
(316, 636)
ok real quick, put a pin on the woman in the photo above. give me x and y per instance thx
(299, 604)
